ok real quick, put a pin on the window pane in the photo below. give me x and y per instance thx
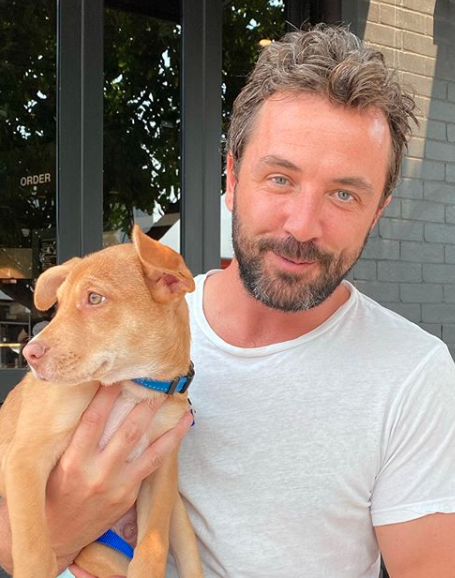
(247, 26)
(27, 166)
(142, 121)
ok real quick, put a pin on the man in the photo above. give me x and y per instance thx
(325, 423)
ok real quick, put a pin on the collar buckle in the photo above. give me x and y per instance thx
(187, 379)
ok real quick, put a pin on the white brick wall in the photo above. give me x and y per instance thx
(409, 262)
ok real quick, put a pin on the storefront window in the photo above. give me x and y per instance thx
(247, 26)
(27, 166)
(141, 121)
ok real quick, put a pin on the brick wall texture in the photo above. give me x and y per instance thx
(409, 262)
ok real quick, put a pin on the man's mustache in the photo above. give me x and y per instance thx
(295, 250)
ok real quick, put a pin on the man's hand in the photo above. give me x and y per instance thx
(90, 489)
(79, 573)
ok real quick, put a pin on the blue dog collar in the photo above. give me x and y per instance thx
(113, 540)
(177, 385)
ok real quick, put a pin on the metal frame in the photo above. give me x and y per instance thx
(350, 15)
(300, 12)
(79, 127)
(9, 378)
(201, 133)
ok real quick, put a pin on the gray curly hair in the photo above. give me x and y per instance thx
(334, 63)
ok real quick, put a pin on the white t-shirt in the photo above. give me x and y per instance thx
(301, 447)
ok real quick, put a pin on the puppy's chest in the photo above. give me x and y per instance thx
(166, 417)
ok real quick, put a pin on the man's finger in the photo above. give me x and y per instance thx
(79, 573)
(91, 427)
(131, 431)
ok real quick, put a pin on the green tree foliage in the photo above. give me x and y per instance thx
(142, 116)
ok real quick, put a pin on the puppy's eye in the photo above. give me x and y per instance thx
(95, 299)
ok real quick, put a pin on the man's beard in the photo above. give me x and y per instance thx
(283, 290)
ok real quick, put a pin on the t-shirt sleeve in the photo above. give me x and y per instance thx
(417, 473)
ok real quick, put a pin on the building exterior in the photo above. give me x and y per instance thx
(409, 262)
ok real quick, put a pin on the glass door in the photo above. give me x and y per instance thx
(27, 167)
(142, 48)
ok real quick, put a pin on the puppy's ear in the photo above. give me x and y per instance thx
(167, 276)
(48, 282)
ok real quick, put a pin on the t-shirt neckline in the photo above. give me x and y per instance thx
(199, 316)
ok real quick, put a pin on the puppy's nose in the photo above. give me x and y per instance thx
(34, 351)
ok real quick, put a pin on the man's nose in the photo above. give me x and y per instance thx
(304, 217)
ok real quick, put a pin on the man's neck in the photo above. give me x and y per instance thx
(241, 320)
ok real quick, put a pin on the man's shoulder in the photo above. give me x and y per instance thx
(392, 349)
(191, 298)
(386, 325)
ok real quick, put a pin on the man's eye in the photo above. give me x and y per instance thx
(344, 195)
(279, 180)
(95, 298)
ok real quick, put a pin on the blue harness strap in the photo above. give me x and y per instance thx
(113, 540)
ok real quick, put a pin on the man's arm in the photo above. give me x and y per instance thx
(90, 488)
(422, 548)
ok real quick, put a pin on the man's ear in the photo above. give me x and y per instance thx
(231, 181)
(166, 275)
(45, 294)
(379, 211)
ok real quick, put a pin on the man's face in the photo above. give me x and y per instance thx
(305, 198)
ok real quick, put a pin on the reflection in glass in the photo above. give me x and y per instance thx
(141, 120)
(27, 165)
(247, 27)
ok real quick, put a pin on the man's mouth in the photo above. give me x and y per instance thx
(296, 261)
(293, 262)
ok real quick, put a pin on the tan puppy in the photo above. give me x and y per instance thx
(121, 315)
